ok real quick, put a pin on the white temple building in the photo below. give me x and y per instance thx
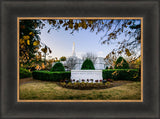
(100, 62)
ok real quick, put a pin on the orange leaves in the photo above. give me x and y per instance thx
(21, 41)
(38, 67)
(26, 37)
(43, 66)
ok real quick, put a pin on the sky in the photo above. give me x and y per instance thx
(61, 42)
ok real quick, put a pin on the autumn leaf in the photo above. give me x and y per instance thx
(90, 21)
(26, 37)
(44, 50)
(60, 21)
(36, 49)
(79, 24)
(30, 33)
(66, 28)
(127, 52)
(50, 51)
(107, 56)
(36, 43)
(129, 22)
(21, 41)
(71, 26)
(28, 42)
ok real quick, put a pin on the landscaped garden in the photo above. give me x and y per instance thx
(56, 84)
(112, 73)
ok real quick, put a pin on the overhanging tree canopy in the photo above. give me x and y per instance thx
(112, 28)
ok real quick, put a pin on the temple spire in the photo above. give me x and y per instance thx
(73, 50)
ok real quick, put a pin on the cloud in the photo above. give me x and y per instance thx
(100, 54)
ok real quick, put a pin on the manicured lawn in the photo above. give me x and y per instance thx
(43, 90)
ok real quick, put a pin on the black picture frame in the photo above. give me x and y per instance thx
(147, 9)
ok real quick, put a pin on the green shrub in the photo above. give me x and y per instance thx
(51, 76)
(24, 73)
(121, 74)
(121, 63)
(58, 67)
(87, 65)
(106, 67)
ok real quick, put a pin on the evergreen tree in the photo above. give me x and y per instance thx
(121, 63)
(58, 67)
(87, 65)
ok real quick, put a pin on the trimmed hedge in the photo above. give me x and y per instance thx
(24, 73)
(116, 74)
(121, 74)
(51, 76)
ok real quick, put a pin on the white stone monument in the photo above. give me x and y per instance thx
(86, 76)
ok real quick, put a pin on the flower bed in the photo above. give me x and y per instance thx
(88, 86)
(85, 86)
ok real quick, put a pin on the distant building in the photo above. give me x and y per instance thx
(99, 64)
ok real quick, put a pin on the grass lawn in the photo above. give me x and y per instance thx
(43, 90)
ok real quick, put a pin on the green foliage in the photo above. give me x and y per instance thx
(24, 73)
(122, 74)
(121, 63)
(58, 67)
(51, 76)
(87, 65)
(106, 67)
